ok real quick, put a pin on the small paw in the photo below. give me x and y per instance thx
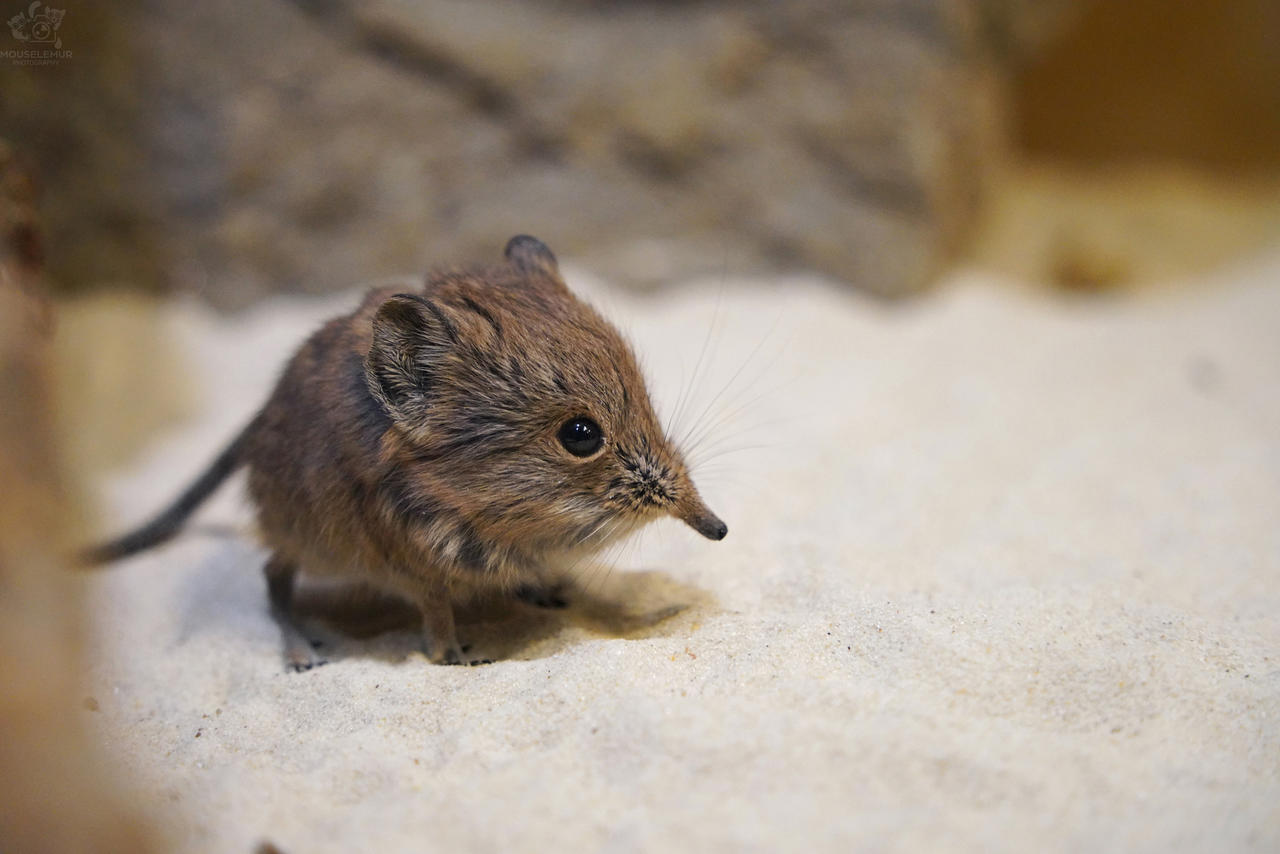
(300, 656)
(456, 656)
(303, 665)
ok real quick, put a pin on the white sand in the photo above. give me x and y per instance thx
(1005, 577)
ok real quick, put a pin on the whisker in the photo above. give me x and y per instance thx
(722, 475)
(605, 521)
(755, 430)
(686, 393)
(733, 379)
(666, 427)
(729, 415)
(737, 449)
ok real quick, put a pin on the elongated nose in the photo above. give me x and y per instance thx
(710, 527)
(696, 515)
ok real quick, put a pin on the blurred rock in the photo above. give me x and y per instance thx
(305, 145)
(75, 122)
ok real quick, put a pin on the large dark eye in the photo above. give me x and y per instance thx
(581, 436)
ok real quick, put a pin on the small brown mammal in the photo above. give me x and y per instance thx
(477, 436)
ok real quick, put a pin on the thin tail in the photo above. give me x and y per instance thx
(166, 525)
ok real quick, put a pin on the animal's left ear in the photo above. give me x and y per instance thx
(531, 256)
(410, 335)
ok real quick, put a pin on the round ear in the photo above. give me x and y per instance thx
(409, 335)
(530, 255)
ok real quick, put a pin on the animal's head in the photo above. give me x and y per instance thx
(521, 406)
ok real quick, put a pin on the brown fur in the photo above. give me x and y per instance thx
(413, 444)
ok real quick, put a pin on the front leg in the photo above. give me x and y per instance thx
(439, 636)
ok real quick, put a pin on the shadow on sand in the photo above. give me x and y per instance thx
(358, 621)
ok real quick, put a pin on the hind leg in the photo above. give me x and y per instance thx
(281, 574)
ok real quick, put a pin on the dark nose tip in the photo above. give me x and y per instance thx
(712, 528)
(698, 516)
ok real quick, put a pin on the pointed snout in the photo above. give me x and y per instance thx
(696, 515)
(710, 527)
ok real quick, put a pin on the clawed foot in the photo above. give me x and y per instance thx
(454, 656)
(299, 657)
(304, 666)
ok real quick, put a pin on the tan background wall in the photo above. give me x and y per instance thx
(1146, 79)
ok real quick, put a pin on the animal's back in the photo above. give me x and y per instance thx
(314, 458)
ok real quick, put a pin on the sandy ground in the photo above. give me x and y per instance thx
(1003, 573)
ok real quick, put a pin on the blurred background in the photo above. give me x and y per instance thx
(225, 151)
(234, 150)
